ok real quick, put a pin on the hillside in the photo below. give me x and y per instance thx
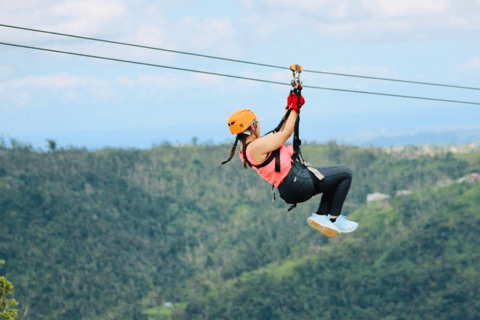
(108, 234)
(416, 259)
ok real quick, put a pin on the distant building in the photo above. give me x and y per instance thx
(404, 192)
(376, 197)
(444, 182)
(470, 178)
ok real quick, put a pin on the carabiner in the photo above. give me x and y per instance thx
(296, 82)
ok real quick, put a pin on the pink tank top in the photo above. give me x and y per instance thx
(268, 172)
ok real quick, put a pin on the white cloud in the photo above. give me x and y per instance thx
(174, 82)
(472, 64)
(298, 4)
(6, 71)
(57, 81)
(344, 9)
(389, 8)
(151, 80)
(17, 5)
(215, 36)
(349, 17)
(471, 22)
(204, 80)
(475, 63)
(145, 24)
(126, 81)
(83, 17)
(370, 27)
(152, 36)
(205, 33)
(34, 91)
(87, 16)
(19, 100)
(169, 81)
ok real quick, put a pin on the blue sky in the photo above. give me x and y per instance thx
(91, 103)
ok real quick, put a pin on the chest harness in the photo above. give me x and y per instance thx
(297, 154)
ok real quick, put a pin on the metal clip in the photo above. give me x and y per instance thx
(296, 82)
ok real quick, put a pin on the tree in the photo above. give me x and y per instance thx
(52, 145)
(194, 141)
(6, 304)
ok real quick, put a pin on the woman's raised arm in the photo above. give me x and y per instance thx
(273, 141)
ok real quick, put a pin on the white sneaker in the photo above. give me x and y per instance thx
(344, 225)
(323, 224)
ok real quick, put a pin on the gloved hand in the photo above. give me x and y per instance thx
(292, 102)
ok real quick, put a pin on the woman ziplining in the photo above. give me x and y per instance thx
(283, 167)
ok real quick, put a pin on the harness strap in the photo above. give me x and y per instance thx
(280, 125)
(297, 154)
(274, 154)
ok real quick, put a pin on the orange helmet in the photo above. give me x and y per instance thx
(240, 120)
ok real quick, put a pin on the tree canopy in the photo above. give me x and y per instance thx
(108, 234)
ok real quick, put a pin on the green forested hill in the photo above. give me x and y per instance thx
(107, 234)
(417, 259)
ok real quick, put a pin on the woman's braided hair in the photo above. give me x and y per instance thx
(242, 137)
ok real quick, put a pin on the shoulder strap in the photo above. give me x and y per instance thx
(274, 154)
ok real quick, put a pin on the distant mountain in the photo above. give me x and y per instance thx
(461, 136)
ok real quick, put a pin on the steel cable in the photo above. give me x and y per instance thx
(233, 76)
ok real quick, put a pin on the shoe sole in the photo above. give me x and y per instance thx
(326, 231)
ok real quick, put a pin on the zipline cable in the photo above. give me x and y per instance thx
(143, 47)
(393, 80)
(231, 76)
(235, 60)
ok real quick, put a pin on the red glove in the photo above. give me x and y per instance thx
(292, 102)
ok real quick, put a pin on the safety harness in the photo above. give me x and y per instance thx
(297, 154)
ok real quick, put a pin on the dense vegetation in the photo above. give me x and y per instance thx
(7, 302)
(106, 234)
(417, 259)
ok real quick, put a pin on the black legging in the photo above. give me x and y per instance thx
(300, 185)
(334, 188)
